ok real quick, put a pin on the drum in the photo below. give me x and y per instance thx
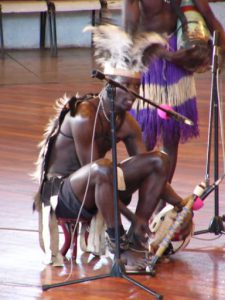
(161, 225)
(194, 32)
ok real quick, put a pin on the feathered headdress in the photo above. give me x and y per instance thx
(118, 53)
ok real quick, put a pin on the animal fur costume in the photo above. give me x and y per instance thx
(118, 54)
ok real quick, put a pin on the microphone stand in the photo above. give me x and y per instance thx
(118, 269)
(216, 224)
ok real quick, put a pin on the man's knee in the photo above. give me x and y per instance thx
(102, 170)
(161, 162)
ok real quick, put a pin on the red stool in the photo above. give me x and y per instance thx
(69, 233)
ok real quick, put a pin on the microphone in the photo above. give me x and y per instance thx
(98, 74)
(171, 113)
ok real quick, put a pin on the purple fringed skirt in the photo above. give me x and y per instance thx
(166, 83)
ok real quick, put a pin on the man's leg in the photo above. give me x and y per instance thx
(100, 194)
(148, 173)
(171, 149)
(93, 186)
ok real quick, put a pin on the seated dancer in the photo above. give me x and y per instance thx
(72, 163)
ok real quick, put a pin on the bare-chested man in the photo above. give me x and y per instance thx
(167, 81)
(74, 166)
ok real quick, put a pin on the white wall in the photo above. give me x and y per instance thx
(22, 30)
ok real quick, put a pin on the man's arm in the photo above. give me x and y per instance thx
(212, 22)
(131, 15)
(195, 57)
(210, 19)
(82, 127)
(132, 136)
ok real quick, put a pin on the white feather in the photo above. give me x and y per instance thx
(115, 47)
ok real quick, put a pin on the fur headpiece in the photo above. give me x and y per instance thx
(118, 53)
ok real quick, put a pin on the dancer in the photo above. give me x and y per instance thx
(169, 80)
(73, 172)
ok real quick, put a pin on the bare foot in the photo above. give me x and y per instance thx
(134, 260)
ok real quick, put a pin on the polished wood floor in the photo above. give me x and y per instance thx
(30, 81)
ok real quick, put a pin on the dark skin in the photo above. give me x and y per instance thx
(144, 171)
(159, 16)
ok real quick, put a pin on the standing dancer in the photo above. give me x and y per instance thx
(169, 81)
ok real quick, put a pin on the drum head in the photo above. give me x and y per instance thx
(181, 237)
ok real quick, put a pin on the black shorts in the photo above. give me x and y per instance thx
(68, 206)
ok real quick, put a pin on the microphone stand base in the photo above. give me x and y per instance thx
(216, 226)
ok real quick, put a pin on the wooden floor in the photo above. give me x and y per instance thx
(30, 81)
